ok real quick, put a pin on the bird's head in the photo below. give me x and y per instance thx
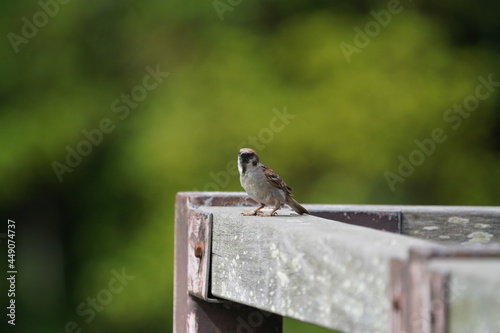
(247, 158)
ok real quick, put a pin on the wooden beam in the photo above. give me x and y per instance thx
(449, 225)
(337, 275)
(315, 270)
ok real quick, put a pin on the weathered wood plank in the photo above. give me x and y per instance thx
(473, 294)
(464, 225)
(193, 315)
(320, 271)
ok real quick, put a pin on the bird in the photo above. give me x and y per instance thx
(264, 185)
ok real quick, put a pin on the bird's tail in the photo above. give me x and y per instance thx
(296, 206)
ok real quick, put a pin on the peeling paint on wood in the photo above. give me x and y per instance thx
(432, 227)
(458, 220)
(478, 237)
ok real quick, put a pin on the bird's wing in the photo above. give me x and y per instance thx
(274, 179)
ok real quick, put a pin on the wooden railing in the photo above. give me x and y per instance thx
(427, 269)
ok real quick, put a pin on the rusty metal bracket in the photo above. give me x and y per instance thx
(418, 295)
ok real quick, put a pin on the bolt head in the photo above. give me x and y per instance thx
(198, 250)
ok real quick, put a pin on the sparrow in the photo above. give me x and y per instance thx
(264, 185)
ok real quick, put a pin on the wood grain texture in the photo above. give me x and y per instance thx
(320, 271)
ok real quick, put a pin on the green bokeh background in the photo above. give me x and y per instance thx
(351, 118)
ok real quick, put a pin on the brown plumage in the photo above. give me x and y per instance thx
(264, 185)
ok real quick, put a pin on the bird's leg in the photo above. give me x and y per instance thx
(254, 212)
(273, 212)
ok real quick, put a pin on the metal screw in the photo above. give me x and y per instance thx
(198, 249)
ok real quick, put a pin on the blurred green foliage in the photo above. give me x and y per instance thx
(351, 122)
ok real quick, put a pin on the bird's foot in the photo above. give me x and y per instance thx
(270, 214)
(252, 213)
(249, 214)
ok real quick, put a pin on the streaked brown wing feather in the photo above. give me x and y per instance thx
(274, 179)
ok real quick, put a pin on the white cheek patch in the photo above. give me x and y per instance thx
(240, 167)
